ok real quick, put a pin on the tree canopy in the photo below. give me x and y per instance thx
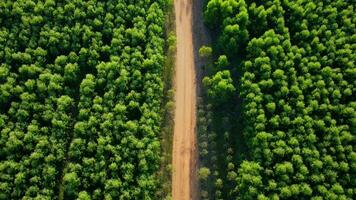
(292, 63)
(80, 95)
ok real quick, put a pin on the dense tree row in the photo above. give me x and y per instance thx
(293, 65)
(80, 95)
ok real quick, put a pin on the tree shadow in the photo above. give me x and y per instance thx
(228, 116)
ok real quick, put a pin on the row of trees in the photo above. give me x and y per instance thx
(217, 172)
(80, 95)
(293, 63)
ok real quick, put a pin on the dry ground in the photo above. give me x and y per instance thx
(184, 151)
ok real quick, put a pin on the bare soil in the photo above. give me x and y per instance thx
(184, 139)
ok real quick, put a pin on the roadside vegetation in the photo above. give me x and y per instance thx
(167, 108)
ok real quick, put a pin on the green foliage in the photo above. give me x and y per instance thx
(172, 40)
(230, 18)
(220, 86)
(294, 62)
(222, 62)
(205, 51)
(204, 173)
(80, 93)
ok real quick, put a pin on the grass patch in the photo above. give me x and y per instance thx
(167, 108)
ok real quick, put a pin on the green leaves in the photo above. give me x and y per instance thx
(220, 86)
(295, 78)
(71, 182)
(205, 51)
(204, 173)
(80, 92)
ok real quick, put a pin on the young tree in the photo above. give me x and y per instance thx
(220, 87)
(205, 51)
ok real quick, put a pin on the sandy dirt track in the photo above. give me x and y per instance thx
(184, 139)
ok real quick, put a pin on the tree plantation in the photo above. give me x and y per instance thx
(80, 95)
(177, 99)
(293, 66)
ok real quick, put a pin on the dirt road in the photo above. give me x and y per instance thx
(184, 151)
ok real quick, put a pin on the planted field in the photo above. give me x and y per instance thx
(80, 95)
(284, 73)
